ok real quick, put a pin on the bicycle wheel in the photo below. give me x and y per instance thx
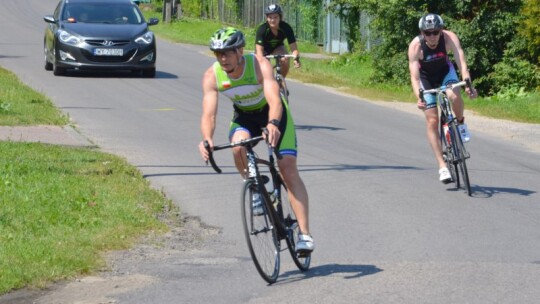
(461, 156)
(261, 236)
(293, 230)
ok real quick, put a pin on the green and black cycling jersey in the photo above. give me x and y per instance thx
(269, 41)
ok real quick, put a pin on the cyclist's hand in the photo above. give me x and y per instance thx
(297, 63)
(203, 151)
(420, 104)
(471, 92)
(272, 135)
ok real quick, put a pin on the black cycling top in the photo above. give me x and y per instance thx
(270, 42)
(435, 63)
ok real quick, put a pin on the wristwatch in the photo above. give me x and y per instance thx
(275, 122)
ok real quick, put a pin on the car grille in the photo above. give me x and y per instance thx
(108, 43)
(123, 58)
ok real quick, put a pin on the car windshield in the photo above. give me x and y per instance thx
(102, 13)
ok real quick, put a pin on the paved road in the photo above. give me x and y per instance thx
(386, 230)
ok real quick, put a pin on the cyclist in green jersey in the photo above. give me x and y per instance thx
(248, 81)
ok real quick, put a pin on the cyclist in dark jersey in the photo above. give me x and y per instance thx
(248, 81)
(430, 68)
(270, 37)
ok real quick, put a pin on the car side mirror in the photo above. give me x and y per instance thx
(153, 21)
(49, 19)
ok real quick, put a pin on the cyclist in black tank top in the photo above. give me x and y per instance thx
(430, 67)
(435, 64)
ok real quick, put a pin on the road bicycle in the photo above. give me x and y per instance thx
(279, 77)
(454, 152)
(265, 232)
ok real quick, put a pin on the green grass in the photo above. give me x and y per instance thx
(20, 105)
(60, 207)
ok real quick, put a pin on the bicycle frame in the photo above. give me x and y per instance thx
(278, 76)
(279, 219)
(255, 175)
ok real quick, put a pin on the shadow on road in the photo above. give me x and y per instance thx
(486, 192)
(311, 128)
(344, 271)
(303, 168)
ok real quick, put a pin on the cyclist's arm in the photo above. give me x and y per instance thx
(209, 110)
(259, 40)
(454, 45)
(414, 68)
(265, 75)
(291, 40)
(259, 50)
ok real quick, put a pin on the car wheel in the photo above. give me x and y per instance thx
(57, 71)
(48, 65)
(149, 73)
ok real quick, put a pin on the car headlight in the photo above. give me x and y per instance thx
(68, 38)
(147, 38)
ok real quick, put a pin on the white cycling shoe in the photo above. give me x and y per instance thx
(305, 244)
(444, 175)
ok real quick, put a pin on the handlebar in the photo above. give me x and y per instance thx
(244, 142)
(465, 83)
(279, 56)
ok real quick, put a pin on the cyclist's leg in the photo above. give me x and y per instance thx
(284, 61)
(455, 94)
(432, 128)
(288, 168)
(242, 127)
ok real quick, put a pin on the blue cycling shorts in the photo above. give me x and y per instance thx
(431, 99)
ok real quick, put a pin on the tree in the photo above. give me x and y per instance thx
(485, 28)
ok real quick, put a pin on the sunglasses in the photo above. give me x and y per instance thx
(432, 33)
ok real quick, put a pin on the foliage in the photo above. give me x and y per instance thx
(529, 28)
(486, 30)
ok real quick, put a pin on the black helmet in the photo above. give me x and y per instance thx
(430, 22)
(273, 9)
(226, 39)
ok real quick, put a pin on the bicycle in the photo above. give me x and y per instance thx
(279, 77)
(454, 152)
(265, 232)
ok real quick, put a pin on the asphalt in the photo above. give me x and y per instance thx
(57, 135)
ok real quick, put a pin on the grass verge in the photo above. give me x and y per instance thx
(60, 207)
(21, 105)
(352, 73)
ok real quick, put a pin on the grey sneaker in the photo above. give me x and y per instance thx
(305, 244)
(257, 204)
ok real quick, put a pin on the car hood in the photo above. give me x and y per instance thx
(106, 31)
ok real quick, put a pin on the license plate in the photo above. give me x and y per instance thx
(108, 52)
